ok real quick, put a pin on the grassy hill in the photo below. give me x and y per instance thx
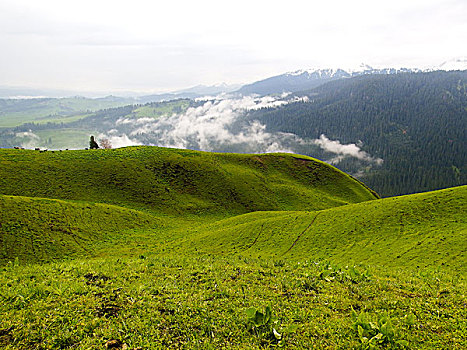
(179, 181)
(160, 248)
(426, 229)
(40, 229)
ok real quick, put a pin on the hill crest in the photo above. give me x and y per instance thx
(176, 181)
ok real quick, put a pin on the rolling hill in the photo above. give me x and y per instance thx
(36, 230)
(426, 229)
(179, 181)
(164, 248)
(276, 205)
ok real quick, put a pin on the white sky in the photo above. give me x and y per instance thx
(159, 46)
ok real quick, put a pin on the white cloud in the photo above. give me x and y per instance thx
(118, 141)
(342, 151)
(207, 127)
(28, 134)
(218, 125)
(30, 139)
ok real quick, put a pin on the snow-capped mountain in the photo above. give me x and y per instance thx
(310, 78)
(211, 90)
(293, 81)
(459, 63)
(328, 73)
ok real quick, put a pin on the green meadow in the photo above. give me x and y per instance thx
(153, 248)
(55, 110)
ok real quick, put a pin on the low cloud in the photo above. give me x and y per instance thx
(30, 140)
(27, 134)
(220, 125)
(342, 151)
(118, 141)
(210, 127)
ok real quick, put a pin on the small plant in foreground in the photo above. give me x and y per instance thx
(264, 325)
(279, 263)
(311, 283)
(373, 334)
(330, 272)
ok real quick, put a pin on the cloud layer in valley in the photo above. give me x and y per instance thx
(220, 125)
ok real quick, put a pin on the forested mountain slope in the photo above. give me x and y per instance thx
(415, 122)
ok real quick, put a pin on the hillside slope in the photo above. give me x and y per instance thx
(40, 229)
(399, 118)
(427, 229)
(179, 181)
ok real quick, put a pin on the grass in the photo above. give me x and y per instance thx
(158, 248)
(174, 302)
(421, 230)
(40, 229)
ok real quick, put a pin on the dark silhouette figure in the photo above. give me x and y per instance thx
(93, 144)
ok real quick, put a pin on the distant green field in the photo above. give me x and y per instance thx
(164, 108)
(14, 112)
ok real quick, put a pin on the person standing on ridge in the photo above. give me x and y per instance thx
(93, 144)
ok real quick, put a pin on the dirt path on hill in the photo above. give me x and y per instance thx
(256, 239)
(301, 234)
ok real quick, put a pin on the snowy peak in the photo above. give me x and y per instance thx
(318, 74)
(306, 79)
(363, 67)
(334, 73)
(459, 63)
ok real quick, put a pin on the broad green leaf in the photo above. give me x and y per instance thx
(250, 312)
(259, 318)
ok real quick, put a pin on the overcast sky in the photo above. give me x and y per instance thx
(141, 45)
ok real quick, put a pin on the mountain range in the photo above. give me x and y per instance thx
(302, 79)
(308, 79)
